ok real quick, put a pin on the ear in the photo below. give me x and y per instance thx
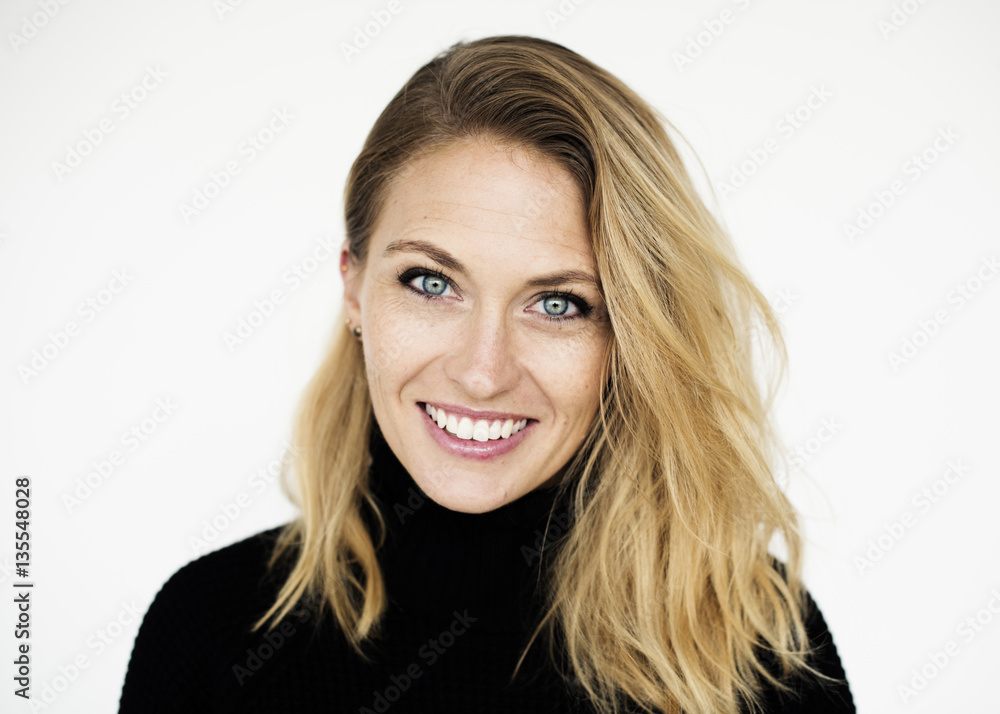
(352, 285)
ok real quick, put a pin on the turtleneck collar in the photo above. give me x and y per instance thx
(436, 560)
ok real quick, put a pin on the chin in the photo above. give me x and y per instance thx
(465, 496)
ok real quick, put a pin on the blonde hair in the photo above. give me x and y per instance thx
(663, 592)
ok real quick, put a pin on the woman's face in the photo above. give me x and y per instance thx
(480, 297)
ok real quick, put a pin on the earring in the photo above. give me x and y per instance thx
(357, 331)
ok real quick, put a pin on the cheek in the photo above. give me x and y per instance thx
(568, 369)
(394, 342)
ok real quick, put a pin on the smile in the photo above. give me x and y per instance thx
(466, 428)
(479, 439)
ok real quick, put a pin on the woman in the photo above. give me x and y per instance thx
(533, 470)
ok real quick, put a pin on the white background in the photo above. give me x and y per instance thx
(846, 304)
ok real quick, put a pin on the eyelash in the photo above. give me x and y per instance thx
(406, 276)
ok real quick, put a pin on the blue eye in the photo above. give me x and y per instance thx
(558, 305)
(433, 284)
(555, 305)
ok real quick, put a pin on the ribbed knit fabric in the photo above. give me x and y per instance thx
(464, 591)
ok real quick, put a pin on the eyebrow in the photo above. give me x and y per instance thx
(446, 259)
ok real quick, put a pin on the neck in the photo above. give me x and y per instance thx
(436, 561)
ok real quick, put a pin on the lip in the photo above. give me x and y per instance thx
(470, 448)
(476, 414)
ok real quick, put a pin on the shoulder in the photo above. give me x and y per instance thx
(227, 589)
(201, 614)
(825, 693)
(217, 576)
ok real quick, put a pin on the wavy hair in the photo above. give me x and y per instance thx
(663, 593)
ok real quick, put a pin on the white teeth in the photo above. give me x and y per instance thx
(479, 430)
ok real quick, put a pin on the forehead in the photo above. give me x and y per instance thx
(503, 202)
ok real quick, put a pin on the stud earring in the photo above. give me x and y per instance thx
(355, 330)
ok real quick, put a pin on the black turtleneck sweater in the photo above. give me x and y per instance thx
(464, 596)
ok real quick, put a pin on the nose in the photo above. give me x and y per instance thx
(483, 358)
